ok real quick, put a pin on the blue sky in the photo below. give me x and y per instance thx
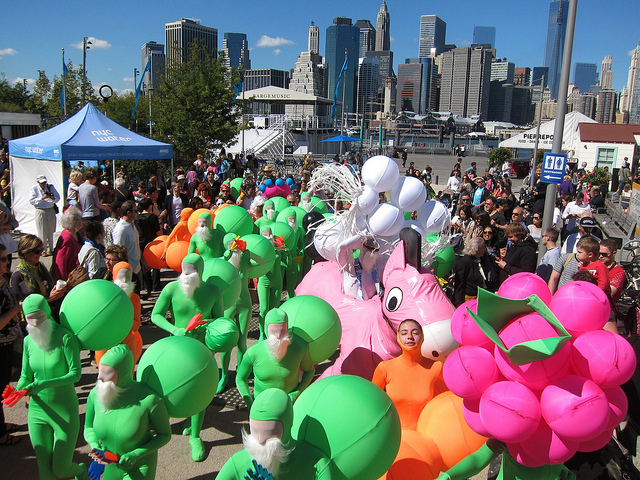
(33, 33)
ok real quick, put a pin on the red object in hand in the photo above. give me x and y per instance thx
(280, 241)
(11, 399)
(104, 457)
(239, 244)
(195, 322)
(8, 391)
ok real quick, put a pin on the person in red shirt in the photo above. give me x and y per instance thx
(617, 277)
(588, 252)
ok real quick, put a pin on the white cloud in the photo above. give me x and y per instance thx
(392, 39)
(124, 91)
(7, 51)
(127, 79)
(277, 51)
(266, 41)
(30, 81)
(109, 69)
(95, 44)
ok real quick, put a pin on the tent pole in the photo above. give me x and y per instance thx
(171, 176)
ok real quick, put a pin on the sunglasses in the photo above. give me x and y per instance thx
(516, 214)
(466, 199)
(488, 232)
(537, 218)
(605, 255)
(38, 252)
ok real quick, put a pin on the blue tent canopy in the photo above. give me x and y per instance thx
(89, 135)
(341, 138)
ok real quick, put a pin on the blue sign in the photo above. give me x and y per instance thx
(554, 166)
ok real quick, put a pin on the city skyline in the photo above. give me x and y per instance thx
(277, 36)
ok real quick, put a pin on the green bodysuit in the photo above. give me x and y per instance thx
(126, 429)
(213, 247)
(53, 409)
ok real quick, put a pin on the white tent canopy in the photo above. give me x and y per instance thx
(570, 135)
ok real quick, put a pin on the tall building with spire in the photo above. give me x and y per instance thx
(632, 97)
(314, 39)
(383, 38)
(556, 31)
(606, 75)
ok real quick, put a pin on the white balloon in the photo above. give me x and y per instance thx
(326, 240)
(386, 220)
(438, 340)
(413, 224)
(433, 216)
(408, 194)
(368, 200)
(380, 173)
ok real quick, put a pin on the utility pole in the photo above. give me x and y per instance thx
(85, 47)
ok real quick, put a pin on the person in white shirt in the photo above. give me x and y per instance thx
(43, 197)
(454, 181)
(126, 234)
(506, 168)
(573, 212)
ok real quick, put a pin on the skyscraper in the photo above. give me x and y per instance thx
(155, 52)
(502, 70)
(464, 88)
(632, 99)
(522, 76)
(342, 37)
(367, 99)
(179, 36)
(606, 75)
(383, 39)
(416, 90)
(307, 77)
(484, 35)
(585, 75)
(236, 50)
(606, 106)
(432, 35)
(367, 36)
(265, 77)
(556, 30)
(314, 39)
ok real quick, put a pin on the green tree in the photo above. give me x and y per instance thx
(38, 99)
(13, 98)
(196, 109)
(497, 156)
(73, 90)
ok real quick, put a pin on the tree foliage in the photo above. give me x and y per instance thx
(13, 98)
(497, 156)
(598, 177)
(196, 107)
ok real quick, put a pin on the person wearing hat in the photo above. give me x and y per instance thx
(586, 227)
(267, 174)
(275, 361)
(624, 175)
(44, 196)
(271, 445)
(118, 401)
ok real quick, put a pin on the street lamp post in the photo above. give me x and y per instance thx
(532, 176)
(85, 47)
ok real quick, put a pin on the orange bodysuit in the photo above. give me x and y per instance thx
(410, 380)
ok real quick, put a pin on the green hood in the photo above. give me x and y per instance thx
(120, 358)
(275, 315)
(34, 303)
(208, 217)
(196, 260)
(274, 404)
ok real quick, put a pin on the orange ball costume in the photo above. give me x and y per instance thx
(133, 340)
(181, 231)
(410, 380)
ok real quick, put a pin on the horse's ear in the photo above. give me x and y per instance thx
(396, 261)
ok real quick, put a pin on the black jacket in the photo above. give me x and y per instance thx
(467, 278)
(521, 257)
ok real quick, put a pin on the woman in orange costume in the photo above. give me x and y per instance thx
(122, 277)
(180, 232)
(410, 380)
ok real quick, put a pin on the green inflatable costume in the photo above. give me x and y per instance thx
(509, 469)
(205, 299)
(50, 367)
(276, 366)
(207, 240)
(271, 417)
(270, 284)
(124, 426)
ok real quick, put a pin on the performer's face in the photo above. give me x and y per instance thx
(35, 318)
(278, 330)
(202, 222)
(263, 430)
(107, 373)
(410, 334)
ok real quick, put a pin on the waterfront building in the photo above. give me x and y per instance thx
(484, 35)
(342, 37)
(265, 77)
(556, 31)
(180, 35)
(432, 36)
(155, 52)
(585, 75)
(383, 38)
(236, 50)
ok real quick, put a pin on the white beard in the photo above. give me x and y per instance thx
(204, 233)
(127, 287)
(271, 214)
(108, 393)
(306, 204)
(294, 225)
(236, 256)
(41, 334)
(189, 283)
(272, 455)
(277, 346)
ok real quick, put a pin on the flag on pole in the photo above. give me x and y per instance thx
(335, 97)
(65, 70)
(139, 87)
(237, 90)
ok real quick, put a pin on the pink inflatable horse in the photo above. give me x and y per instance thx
(369, 326)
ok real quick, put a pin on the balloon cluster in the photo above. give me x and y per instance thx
(279, 188)
(548, 409)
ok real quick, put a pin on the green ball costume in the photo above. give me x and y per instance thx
(305, 461)
(212, 248)
(53, 409)
(207, 300)
(271, 373)
(126, 428)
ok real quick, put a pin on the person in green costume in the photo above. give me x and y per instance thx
(185, 298)
(207, 240)
(510, 469)
(268, 217)
(294, 268)
(270, 444)
(122, 416)
(270, 284)
(241, 258)
(276, 361)
(50, 367)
